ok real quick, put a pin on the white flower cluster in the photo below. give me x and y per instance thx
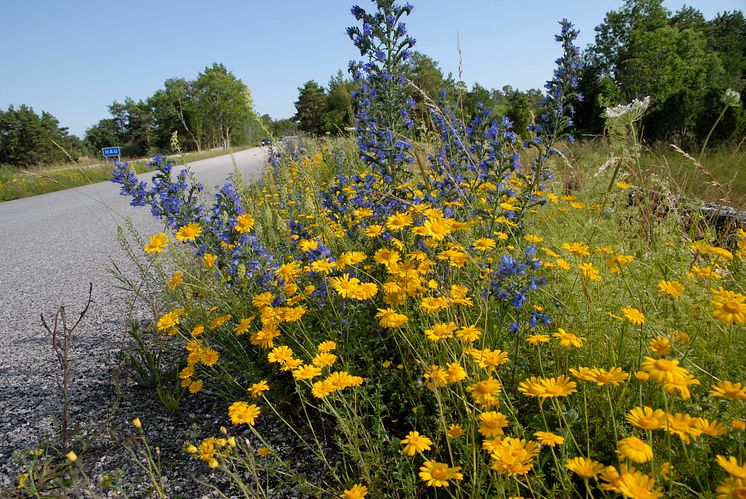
(629, 112)
(731, 98)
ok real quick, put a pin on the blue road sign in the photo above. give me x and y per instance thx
(110, 152)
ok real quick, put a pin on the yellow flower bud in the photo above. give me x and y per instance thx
(137, 423)
(71, 456)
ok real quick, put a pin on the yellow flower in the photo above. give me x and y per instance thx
(434, 303)
(350, 258)
(492, 423)
(615, 263)
(306, 372)
(568, 340)
(240, 412)
(137, 423)
(683, 426)
(435, 376)
(633, 484)
(440, 331)
(188, 232)
(613, 376)
(398, 221)
(622, 185)
(324, 359)
(674, 289)
(712, 428)
(549, 439)
(538, 339)
(195, 386)
(156, 244)
(485, 392)
(577, 249)
(544, 388)
(660, 346)
(414, 443)
(436, 474)
(663, 370)
(374, 231)
(387, 257)
(326, 346)
(219, 321)
(390, 318)
(729, 390)
(646, 418)
(209, 357)
(731, 488)
(633, 315)
(468, 333)
(175, 280)
(513, 456)
(488, 359)
(731, 466)
(258, 388)
(584, 467)
(168, 322)
(357, 491)
(455, 372)
(738, 424)
(588, 271)
(263, 451)
(728, 306)
(455, 431)
(244, 223)
(484, 244)
(634, 449)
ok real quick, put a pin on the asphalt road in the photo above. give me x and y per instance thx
(51, 247)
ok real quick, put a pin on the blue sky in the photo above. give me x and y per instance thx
(73, 58)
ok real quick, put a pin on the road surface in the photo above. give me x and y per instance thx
(51, 247)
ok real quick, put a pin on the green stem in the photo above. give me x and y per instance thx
(707, 139)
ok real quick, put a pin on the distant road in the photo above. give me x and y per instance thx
(51, 247)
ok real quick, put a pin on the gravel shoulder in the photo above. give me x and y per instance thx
(53, 246)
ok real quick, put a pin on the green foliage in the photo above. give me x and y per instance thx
(310, 108)
(29, 139)
(223, 108)
(682, 61)
(214, 110)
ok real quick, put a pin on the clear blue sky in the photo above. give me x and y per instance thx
(72, 58)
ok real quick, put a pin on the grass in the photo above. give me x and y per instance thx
(614, 317)
(18, 183)
(719, 178)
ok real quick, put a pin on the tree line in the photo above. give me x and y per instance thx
(215, 109)
(682, 61)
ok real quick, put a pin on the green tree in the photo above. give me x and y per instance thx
(102, 134)
(311, 107)
(613, 41)
(340, 110)
(520, 112)
(173, 111)
(223, 108)
(726, 35)
(29, 139)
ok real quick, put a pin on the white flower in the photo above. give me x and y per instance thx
(731, 98)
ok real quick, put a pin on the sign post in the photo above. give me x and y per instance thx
(111, 152)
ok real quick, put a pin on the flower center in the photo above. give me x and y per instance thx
(440, 473)
(732, 307)
(665, 365)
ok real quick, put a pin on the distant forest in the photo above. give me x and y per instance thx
(683, 61)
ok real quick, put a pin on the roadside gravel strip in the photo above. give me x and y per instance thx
(51, 247)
